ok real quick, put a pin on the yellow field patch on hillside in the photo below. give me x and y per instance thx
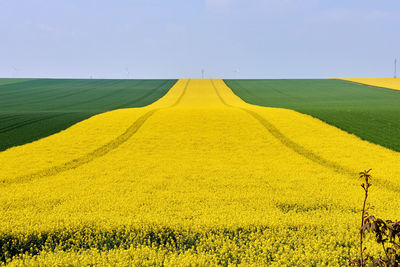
(391, 83)
(205, 178)
(77, 141)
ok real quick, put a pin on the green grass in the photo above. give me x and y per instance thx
(372, 113)
(31, 109)
(12, 80)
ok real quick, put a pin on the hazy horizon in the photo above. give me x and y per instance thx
(147, 39)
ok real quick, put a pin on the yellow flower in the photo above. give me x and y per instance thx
(199, 177)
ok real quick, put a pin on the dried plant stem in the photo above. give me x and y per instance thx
(384, 249)
(365, 175)
(362, 224)
(386, 233)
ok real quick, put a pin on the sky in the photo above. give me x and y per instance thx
(179, 38)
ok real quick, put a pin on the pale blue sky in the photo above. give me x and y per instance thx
(177, 38)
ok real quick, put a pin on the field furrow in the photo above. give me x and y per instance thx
(47, 106)
(372, 113)
(199, 177)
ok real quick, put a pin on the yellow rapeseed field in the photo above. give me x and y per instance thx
(197, 178)
(391, 83)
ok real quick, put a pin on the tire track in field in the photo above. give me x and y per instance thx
(301, 150)
(37, 94)
(91, 100)
(25, 122)
(30, 121)
(18, 91)
(97, 153)
(5, 117)
(152, 91)
(46, 92)
(274, 131)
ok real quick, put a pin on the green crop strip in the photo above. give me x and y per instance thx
(12, 80)
(36, 108)
(372, 113)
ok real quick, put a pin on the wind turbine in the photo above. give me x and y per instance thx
(15, 71)
(128, 72)
(236, 71)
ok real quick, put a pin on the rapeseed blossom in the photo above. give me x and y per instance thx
(391, 83)
(197, 178)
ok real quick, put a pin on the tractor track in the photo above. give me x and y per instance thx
(97, 153)
(301, 150)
